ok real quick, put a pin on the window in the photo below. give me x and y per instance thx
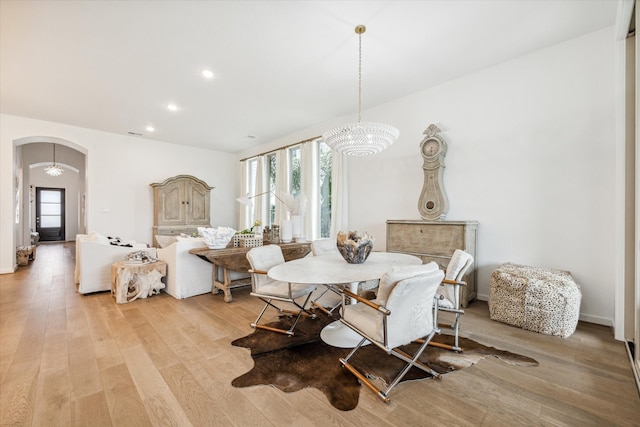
(271, 173)
(295, 172)
(252, 168)
(324, 194)
(311, 175)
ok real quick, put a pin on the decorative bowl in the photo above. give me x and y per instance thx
(216, 238)
(354, 248)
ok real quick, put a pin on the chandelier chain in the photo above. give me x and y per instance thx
(53, 169)
(359, 77)
(360, 139)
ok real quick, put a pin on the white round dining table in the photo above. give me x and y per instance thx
(332, 269)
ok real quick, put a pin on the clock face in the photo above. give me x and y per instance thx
(431, 147)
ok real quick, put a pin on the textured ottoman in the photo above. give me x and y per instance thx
(24, 254)
(536, 299)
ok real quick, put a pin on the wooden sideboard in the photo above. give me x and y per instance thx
(235, 259)
(436, 241)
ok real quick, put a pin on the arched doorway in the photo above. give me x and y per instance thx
(34, 154)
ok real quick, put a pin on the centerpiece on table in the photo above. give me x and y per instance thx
(353, 247)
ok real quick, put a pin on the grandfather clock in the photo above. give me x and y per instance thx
(433, 203)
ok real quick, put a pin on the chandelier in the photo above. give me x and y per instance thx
(53, 170)
(361, 138)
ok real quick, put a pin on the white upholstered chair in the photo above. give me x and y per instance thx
(187, 274)
(450, 293)
(261, 259)
(324, 246)
(405, 310)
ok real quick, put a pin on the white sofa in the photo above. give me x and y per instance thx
(187, 274)
(94, 256)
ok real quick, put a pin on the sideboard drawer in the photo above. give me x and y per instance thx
(436, 241)
(416, 238)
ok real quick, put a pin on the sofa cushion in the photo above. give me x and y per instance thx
(98, 238)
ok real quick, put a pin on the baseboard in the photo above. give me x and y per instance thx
(583, 317)
(634, 367)
(596, 319)
(9, 270)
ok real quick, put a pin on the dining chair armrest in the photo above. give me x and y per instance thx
(367, 302)
(454, 282)
(258, 271)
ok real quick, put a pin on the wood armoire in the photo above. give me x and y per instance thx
(181, 204)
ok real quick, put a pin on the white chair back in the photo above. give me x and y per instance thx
(263, 258)
(460, 262)
(411, 306)
(324, 246)
(390, 278)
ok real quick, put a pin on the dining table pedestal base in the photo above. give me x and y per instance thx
(337, 334)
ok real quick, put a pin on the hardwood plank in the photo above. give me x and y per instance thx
(199, 407)
(84, 377)
(17, 393)
(55, 352)
(160, 403)
(53, 400)
(90, 409)
(124, 403)
(234, 404)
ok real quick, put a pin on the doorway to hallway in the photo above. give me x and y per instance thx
(50, 214)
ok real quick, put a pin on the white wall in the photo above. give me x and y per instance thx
(530, 156)
(119, 171)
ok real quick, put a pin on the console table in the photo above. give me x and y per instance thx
(235, 259)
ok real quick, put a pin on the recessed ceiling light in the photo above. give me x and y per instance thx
(172, 107)
(207, 74)
(150, 128)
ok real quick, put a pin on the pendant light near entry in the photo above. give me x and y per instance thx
(53, 170)
(361, 138)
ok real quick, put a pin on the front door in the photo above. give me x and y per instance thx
(50, 213)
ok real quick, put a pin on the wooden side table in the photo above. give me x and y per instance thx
(130, 281)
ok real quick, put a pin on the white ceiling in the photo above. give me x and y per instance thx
(280, 66)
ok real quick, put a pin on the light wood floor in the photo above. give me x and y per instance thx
(68, 359)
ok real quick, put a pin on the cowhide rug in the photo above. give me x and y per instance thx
(304, 360)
